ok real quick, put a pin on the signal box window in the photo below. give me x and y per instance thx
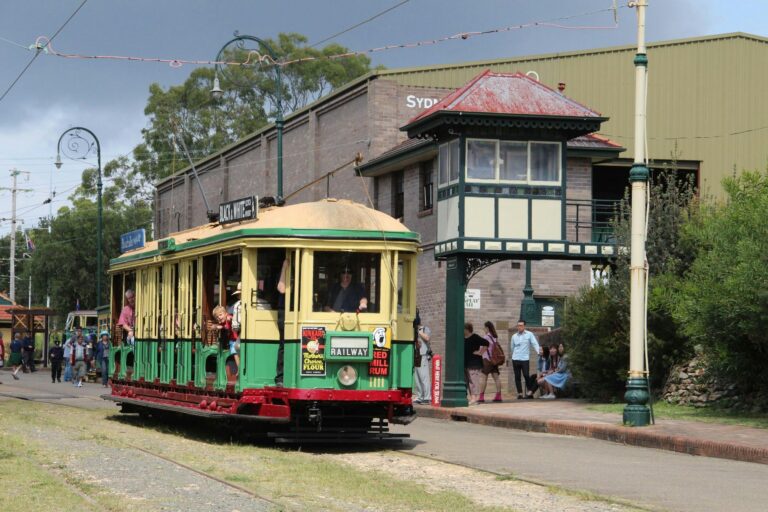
(425, 180)
(398, 195)
(346, 282)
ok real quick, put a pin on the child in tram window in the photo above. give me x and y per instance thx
(224, 324)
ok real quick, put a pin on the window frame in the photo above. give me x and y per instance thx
(447, 146)
(426, 185)
(497, 166)
(398, 194)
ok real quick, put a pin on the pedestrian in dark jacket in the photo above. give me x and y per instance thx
(28, 353)
(56, 356)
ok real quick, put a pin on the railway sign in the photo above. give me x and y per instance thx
(238, 210)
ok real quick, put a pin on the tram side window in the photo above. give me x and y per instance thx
(231, 265)
(404, 270)
(268, 268)
(346, 282)
(210, 290)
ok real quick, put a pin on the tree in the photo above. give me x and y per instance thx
(722, 301)
(597, 325)
(188, 112)
(64, 260)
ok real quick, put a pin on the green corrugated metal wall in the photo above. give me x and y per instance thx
(705, 96)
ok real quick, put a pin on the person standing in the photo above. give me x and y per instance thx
(67, 355)
(422, 381)
(28, 353)
(102, 357)
(56, 356)
(474, 348)
(521, 344)
(488, 367)
(2, 351)
(15, 359)
(78, 360)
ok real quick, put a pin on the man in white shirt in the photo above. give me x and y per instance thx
(422, 380)
(521, 344)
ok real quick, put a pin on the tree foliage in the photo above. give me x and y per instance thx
(597, 325)
(722, 302)
(64, 261)
(187, 115)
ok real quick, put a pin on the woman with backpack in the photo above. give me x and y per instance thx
(492, 359)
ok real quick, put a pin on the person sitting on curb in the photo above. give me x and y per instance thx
(558, 377)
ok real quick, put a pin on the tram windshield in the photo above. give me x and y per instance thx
(345, 281)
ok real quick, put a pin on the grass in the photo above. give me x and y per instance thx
(664, 410)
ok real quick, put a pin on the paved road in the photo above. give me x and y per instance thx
(646, 477)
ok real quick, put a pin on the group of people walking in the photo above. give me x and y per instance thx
(78, 355)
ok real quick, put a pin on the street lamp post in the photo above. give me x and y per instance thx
(80, 144)
(216, 92)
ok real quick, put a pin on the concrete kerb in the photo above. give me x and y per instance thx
(615, 433)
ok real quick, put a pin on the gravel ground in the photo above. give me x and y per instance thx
(481, 487)
(146, 482)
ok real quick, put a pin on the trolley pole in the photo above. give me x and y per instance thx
(636, 412)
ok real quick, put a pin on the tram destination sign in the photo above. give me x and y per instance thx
(132, 240)
(238, 210)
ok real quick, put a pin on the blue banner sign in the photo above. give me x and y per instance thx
(238, 210)
(132, 240)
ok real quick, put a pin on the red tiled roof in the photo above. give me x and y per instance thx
(592, 141)
(5, 316)
(508, 93)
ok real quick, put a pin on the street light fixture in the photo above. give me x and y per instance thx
(265, 53)
(80, 144)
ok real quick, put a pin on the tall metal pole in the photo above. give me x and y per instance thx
(79, 147)
(636, 412)
(14, 173)
(279, 123)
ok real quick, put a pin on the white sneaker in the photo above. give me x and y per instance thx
(549, 396)
(80, 384)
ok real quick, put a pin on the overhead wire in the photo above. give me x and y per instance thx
(367, 20)
(40, 49)
(255, 56)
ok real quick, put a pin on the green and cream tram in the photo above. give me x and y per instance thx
(346, 351)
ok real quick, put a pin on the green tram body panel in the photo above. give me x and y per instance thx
(174, 363)
(178, 282)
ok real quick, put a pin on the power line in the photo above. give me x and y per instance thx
(353, 27)
(40, 48)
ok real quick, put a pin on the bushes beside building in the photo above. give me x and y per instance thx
(708, 288)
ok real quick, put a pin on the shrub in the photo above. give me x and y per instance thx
(597, 321)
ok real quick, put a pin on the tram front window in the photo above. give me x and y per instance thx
(346, 282)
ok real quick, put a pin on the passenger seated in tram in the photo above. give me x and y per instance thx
(346, 296)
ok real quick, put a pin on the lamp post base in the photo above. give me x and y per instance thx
(454, 395)
(636, 412)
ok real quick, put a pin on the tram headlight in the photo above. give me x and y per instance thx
(347, 375)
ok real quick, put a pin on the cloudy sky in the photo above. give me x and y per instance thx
(108, 96)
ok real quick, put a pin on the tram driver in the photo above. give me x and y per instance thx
(346, 296)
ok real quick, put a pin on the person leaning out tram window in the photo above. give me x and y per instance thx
(127, 317)
(279, 367)
(346, 296)
(228, 334)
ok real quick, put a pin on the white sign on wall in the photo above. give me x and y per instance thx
(547, 316)
(472, 298)
(413, 101)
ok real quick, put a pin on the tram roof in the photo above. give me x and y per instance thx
(326, 219)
